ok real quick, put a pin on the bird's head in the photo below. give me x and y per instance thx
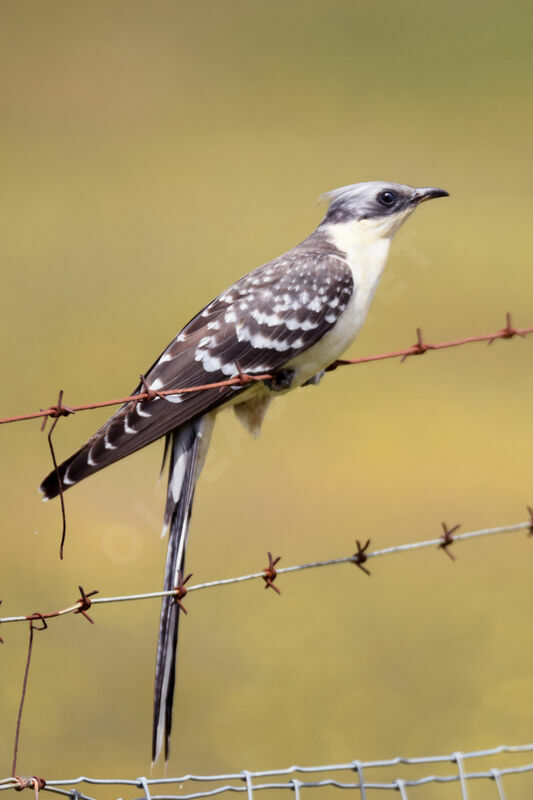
(375, 209)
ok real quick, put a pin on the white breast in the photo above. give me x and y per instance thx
(366, 252)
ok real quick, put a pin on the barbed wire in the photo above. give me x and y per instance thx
(248, 781)
(419, 348)
(268, 575)
(271, 572)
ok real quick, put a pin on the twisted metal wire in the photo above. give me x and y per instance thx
(250, 782)
(271, 573)
(509, 331)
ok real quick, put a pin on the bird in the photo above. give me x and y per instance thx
(290, 319)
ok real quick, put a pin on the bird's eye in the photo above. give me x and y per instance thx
(387, 198)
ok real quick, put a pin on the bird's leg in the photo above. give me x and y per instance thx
(281, 380)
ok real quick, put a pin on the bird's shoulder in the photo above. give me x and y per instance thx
(265, 317)
(311, 271)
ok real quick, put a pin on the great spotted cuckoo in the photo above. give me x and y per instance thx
(289, 318)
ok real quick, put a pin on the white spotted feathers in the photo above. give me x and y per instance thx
(258, 325)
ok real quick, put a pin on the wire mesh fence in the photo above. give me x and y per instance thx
(459, 772)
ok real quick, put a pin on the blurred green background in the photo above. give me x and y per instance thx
(153, 152)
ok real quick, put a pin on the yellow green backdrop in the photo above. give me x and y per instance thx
(153, 152)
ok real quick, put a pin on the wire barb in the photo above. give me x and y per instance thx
(59, 410)
(360, 556)
(150, 394)
(508, 331)
(271, 573)
(244, 378)
(84, 603)
(180, 591)
(447, 539)
(419, 348)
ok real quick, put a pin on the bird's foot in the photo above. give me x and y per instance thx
(315, 380)
(281, 380)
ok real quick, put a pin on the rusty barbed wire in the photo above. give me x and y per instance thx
(81, 606)
(296, 778)
(272, 572)
(269, 575)
(148, 394)
(61, 411)
(419, 348)
(33, 628)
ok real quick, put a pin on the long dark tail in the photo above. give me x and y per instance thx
(187, 453)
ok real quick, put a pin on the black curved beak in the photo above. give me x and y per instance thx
(428, 193)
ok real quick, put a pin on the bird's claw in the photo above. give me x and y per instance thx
(315, 380)
(281, 380)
